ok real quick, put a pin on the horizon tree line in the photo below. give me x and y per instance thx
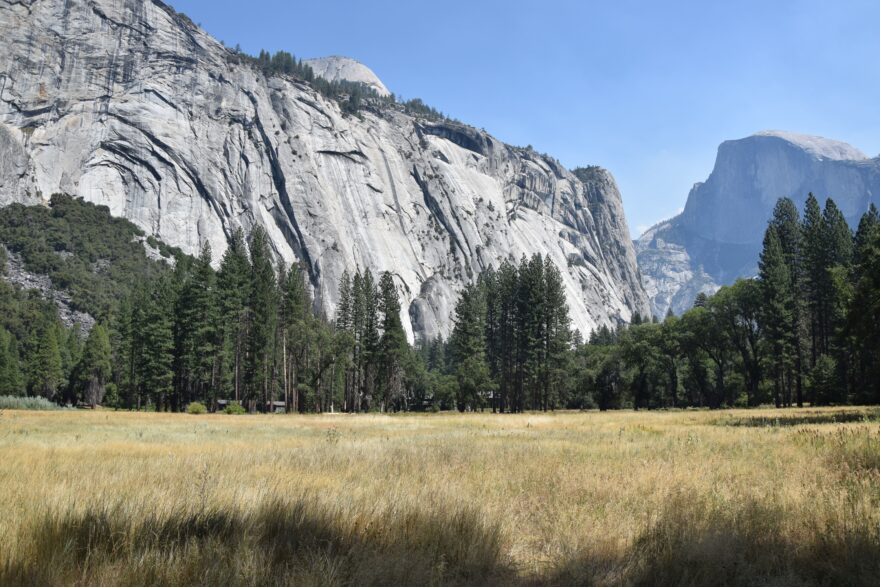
(806, 329)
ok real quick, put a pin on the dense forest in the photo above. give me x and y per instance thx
(172, 331)
(805, 330)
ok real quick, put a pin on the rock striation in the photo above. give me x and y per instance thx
(718, 236)
(128, 104)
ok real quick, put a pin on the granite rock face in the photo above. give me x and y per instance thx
(717, 238)
(128, 104)
(338, 68)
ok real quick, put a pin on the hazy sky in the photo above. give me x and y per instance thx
(645, 89)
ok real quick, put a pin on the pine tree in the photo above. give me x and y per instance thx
(366, 333)
(129, 322)
(94, 368)
(345, 328)
(45, 370)
(504, 294)
(393, 347)
(863, 322)
(233, 281)
(838, 243)
(468, 347)
(196, 331)
(344, 308)
(557, 337)
(155, 333)
(70, 347)
(488, 283)
(786, 221)
(868, 224)
(262, 311)
(778, 314)
(838, 235)
(297, 325)
(10, 366)
(815, 269)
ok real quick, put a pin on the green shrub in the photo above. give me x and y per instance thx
(234, 410)
(196, 408)
(8, 402)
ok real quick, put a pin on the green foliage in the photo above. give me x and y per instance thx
(94, 368)
(351, 96)
(11, 380)
(824, 381)
(468, 350)
(153, 341)
(45, 373)
(234, 410)
(528, 336)
(81, 248)
(393, 350)
(232, 288)
(196, 408)
(263, 307)
(196, 327)
(805, 330)
(26, 403)
(862, 325)
(778, 312)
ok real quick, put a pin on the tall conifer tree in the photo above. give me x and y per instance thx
(263, 304)
(233, 282)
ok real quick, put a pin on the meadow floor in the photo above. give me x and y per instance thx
(623, 498)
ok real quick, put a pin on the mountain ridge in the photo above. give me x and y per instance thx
(335, 68)
(717, 237)
(134, 107)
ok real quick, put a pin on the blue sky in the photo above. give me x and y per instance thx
(645, 89)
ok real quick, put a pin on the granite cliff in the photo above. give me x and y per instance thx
(717, 238)
(127, 103)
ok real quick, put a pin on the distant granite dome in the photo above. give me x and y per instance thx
(818, 146)
(336, 68)
(717, 238)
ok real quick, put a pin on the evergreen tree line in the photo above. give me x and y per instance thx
(806, 330)
(50, 360)
(90, 257)
(511, 345)
(245, 333)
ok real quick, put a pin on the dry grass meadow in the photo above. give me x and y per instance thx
(622, 498)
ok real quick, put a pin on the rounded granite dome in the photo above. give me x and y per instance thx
(817, 146)
(336, 68)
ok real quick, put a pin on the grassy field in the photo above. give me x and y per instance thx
(737, 497)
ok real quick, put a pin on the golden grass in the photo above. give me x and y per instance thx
(736, 497)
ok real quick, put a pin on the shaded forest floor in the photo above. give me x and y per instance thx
(622, 498)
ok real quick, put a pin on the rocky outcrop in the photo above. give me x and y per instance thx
(15, 273)
(128, 104)
(717, 238)
(337, 68)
